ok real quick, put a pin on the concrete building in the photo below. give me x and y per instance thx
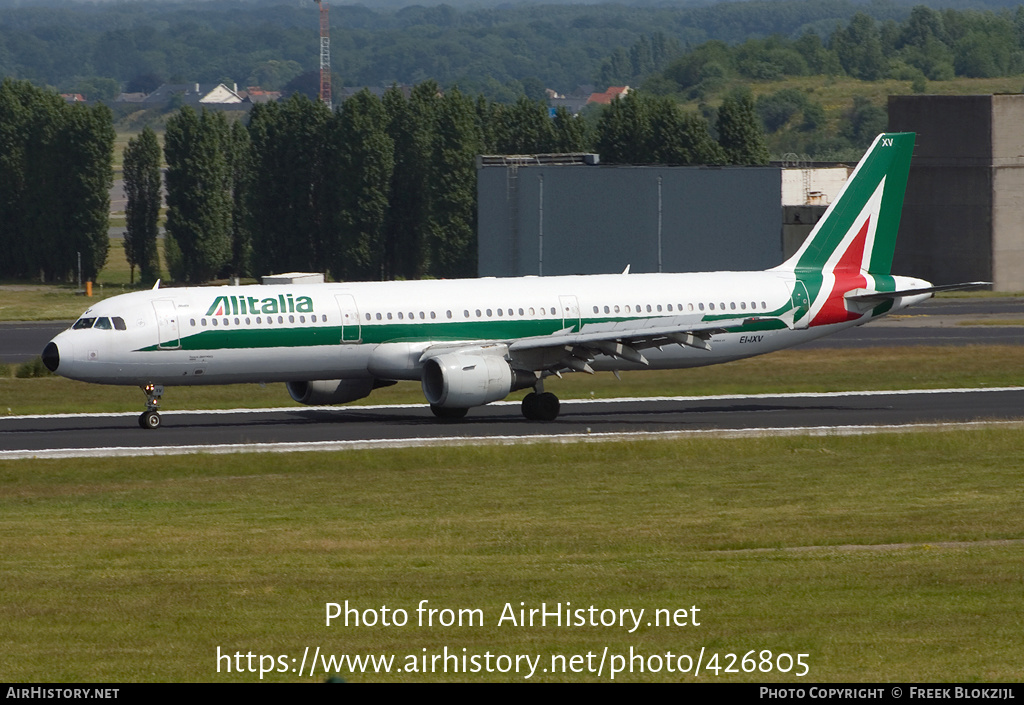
(551, 215)
(963, 217)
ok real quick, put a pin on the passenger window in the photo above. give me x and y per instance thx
(203, 321)
(213, 322)
(711, 306)
(192, 322)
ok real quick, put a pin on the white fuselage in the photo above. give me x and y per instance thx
(190, 336)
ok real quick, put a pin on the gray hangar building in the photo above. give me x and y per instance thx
(567, 214)
(963, 217)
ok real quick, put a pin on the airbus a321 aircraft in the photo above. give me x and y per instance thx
(474, 341)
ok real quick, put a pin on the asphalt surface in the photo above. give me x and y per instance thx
(406, 425)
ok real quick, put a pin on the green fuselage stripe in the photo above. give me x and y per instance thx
(376, 333)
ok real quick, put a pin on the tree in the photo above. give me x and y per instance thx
(287, 216)
(624, 131)
(55, 178)
(411, 126)
(362, 159)
(739, 131)
(859, 48)
(523, 128)
(198, 193)
(142, 185)
(451, 238)
(240, 157)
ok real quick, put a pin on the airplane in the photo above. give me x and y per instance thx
(474, 341)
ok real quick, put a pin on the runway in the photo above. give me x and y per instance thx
(408, 425)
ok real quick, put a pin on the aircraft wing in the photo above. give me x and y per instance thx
(575, 350)
(619, 339)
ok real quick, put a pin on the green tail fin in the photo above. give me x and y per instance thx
(866, 214)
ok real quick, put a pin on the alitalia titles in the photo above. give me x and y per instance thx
(282, 303)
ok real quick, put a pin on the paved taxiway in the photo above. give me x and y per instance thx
(299, 428)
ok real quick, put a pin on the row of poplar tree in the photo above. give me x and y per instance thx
(55, 180)
(381, 188)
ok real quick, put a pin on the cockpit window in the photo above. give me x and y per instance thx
(118, 323)
(103, 323)
(83, 323)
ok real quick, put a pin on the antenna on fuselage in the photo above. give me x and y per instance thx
(157, 285)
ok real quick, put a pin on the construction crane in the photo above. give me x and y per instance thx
(325, 56)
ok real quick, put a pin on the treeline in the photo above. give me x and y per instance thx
(55, 180)
(930, 44)
(382, 188)
(501, 52)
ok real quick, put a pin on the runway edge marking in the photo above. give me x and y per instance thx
(592, 400)
(329, 446)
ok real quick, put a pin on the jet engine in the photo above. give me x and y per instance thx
(331, 391)
(462, 380)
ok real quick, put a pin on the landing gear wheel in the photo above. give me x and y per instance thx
(443, 412)
(541, 407)
(149, 417)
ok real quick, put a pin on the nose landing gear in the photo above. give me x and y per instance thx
(150, 418)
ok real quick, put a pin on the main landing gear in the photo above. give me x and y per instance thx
(540, 406)
(150, 418)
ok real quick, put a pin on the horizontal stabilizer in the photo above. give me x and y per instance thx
(864, 296)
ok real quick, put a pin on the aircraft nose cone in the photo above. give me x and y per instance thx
(51, 356)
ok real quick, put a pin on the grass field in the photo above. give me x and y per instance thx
(885, 558)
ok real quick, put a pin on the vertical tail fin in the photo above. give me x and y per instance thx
(858, 231)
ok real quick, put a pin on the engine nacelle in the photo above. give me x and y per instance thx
(461, 380)
(330, 391)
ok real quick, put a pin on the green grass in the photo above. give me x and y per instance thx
(121, 570)
(786, 371)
